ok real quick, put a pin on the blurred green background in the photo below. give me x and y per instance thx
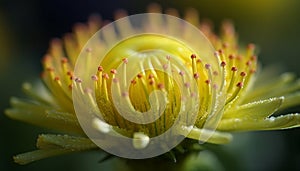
(27, 26)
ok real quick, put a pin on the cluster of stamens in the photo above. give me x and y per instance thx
(235, 70)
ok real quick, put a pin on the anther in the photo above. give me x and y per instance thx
(140, 75)
(234, 69)
(215, 73)
(220, 51)
(193, 56)
(251, 46)
(165, 66)
(69, 73)
(239, 84)
(248, 63)
(168, 57)
(115, 80)
(253, 58)
(125, 94)
(181, 73)
(231, 56)
(160, 86)
(78, 80)
(215, 86)
(151, 82)
(56, 78)
(196, 75)
(243, 74)
(46, 58)
(88, 50)
(133, 82)
(113, 71)
(207, 66)
(150, 76)
(207, 81)
(225, 45)
(125, 60)
(64, 60)
(100, 69)
(187, 85)
(94, 77)
(223, 64)
(105, 76)
(216, 54)
(88, 90)
(193, 94)
(252, 71)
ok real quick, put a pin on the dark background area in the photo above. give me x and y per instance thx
(26, 27)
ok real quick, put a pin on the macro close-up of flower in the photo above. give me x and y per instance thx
(155, 87)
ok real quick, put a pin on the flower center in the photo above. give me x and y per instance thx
(139, 66)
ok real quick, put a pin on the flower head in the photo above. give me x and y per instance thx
(136, 83)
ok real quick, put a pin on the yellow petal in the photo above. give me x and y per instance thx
(255, 110)
(272, 123)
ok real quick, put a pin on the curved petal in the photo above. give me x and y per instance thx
(249, 124)
(255, 110)
(43, 116)
(53, 145)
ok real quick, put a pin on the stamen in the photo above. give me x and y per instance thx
(194, 67)
(104, 86)
(125, 61)
(99, 75)
(232, 79)
(78, 85)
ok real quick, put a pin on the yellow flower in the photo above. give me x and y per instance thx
(233, 95)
